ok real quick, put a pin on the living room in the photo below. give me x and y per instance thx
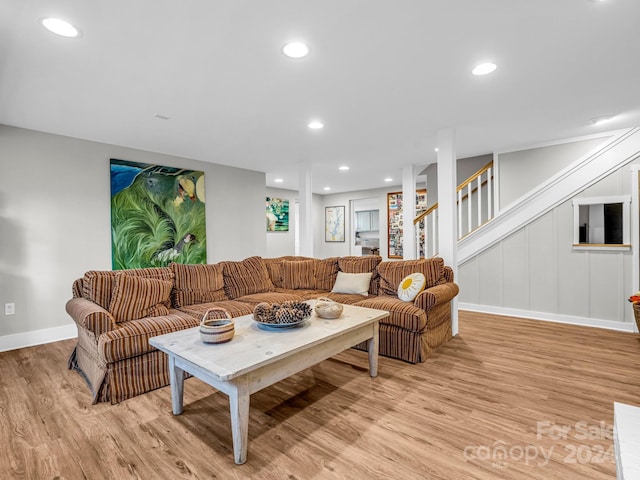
(55, 225)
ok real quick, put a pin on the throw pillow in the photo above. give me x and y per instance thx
(246, 277)
(98, 284)
(411, 286)
(326, 272)
(392, 274)
(368, 263)
(138, 297)
(352, 283)
(299, 274)
(197, 284)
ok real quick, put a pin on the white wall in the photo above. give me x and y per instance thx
(335, 249)
(521, 171)
(55, 221)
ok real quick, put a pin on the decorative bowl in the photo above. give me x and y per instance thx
(286, 313)
(327, 308)
(214, 329)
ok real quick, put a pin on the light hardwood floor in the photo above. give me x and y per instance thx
(507, 398)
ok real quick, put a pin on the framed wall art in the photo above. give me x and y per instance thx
(277, 214)
(396, 222)
(157, 215)
(334, 224)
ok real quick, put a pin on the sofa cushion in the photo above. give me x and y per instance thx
(299, 274)
(138, 297)
(326, 272)
(131, 338)
(362, 265)
(392, 273)
(401, 314)
(275, 270)
(274, 267)
(246, 277)
(357, 283)
(346, 298)
(235, 308)
(97, 285)
(197, 284)
(305, 294)
(270, 297)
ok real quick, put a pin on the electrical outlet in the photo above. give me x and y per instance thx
(9, 308)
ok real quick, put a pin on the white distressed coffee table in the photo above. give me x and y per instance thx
(255, 359)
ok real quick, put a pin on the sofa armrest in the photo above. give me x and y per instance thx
(90, 316)
(448, 274)
(436, 295)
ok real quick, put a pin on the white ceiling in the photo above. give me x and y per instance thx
(383, 76)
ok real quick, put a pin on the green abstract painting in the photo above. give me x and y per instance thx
(277, 215)
(157, 215)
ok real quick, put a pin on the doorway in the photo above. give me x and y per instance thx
(364, 235)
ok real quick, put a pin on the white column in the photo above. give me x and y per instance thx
(306, 215)
(448, 213)
(408, 212)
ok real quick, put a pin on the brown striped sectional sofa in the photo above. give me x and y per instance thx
(116, 312)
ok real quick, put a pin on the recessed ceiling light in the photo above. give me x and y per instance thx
(484, 68)
(326, 189)
(601, 120)
(295, 50)
(436, 149)
(278, 180)
(60, 27)
(388, 179)
(344, 168)
(315, 125)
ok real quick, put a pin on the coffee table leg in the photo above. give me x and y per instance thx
(176, 377)
(372, 347)
(239, 408)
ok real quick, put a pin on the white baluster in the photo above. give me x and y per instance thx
(489, 196)
(459, 213)
(434, 239)
(479, 201)
(469, 190)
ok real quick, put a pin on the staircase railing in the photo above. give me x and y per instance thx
(475, 208)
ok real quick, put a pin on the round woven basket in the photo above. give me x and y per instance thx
(636, 313)
(214, 329)
(327, 308)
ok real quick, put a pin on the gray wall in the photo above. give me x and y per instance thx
(519, 172)
(537, 270)
(55, 218)
(465, 167)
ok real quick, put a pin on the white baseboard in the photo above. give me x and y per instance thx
(37, 337)
(549, 317)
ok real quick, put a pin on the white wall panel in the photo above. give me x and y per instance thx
(606, 285)
(543, 265)
(468, 275)
(515, 268)
(490, 276)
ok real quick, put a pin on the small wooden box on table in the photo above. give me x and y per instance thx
(255, 358)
